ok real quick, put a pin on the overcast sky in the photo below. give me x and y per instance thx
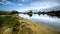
(22, 5)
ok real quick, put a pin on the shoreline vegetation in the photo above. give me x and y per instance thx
(30, 13)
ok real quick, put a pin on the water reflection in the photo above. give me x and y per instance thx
(44, 19)
(58, 16)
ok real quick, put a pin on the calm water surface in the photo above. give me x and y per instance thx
(44, 19)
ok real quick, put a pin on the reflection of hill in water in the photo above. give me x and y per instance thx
(54, 16)
(54, 13)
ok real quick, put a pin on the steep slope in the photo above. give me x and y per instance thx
(18, 25)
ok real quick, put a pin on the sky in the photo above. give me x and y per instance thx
(22, 5)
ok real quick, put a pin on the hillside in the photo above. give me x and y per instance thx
(17, 25)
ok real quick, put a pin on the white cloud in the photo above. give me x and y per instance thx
(1, 3)
(44, 5)
(41, 5)
(21, 0)
(8, 2)
(24, 9)
(20, 4)
(24, 0)
(5, 2)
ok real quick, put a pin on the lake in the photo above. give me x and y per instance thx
(50, 21)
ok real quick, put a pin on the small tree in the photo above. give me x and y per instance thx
(30, 13)
(14, 12)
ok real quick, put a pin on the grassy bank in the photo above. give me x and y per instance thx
(18, 25)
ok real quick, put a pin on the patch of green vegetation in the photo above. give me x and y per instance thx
(8, 20)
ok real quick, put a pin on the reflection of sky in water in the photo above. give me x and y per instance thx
(44, 19)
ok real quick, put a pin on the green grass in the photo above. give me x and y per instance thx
(8, 20)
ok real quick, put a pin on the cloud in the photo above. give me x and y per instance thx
(21, 0)
(31, 4)
(8, 2)
(5, 2)
(42, 5)
(1, 3)
(20, 4)
(24, 0)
